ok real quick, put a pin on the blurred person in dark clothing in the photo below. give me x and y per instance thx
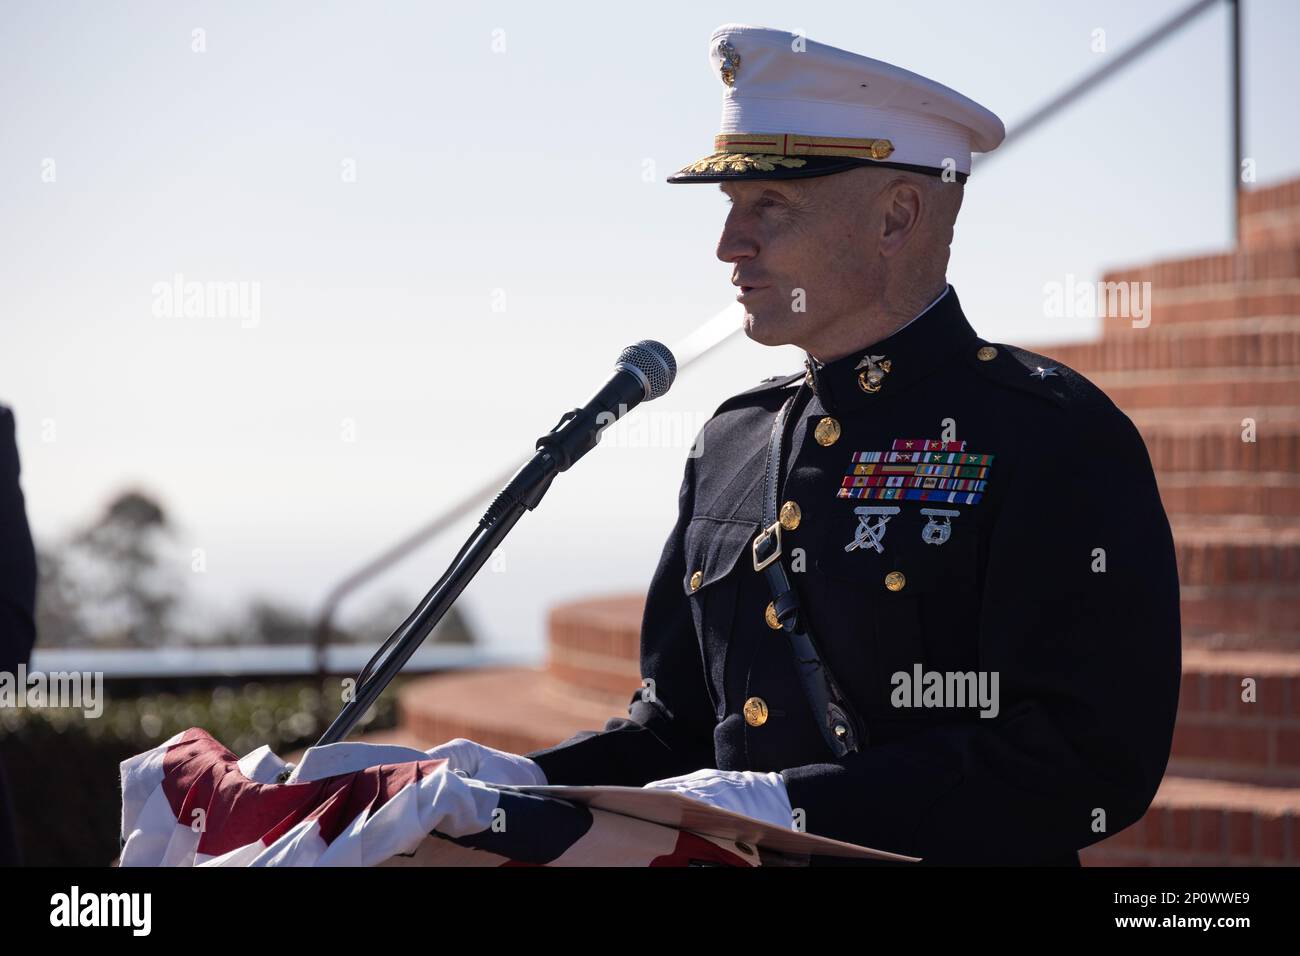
(17, 598)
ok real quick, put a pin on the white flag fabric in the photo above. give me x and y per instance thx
(191, 802)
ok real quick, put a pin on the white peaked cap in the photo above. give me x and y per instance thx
(792, 107)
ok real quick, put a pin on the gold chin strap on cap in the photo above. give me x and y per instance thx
(797, 144)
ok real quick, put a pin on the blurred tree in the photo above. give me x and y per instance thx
(272, 623)
(114, 584)
(57, 622)
(120, 583)
(268, 621)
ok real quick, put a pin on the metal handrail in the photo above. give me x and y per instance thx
(1145, 45)
(723, 326)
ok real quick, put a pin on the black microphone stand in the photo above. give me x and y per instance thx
(577, 432)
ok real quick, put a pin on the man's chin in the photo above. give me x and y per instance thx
(766, 330)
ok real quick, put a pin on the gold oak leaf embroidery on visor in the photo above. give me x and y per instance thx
(743, 162)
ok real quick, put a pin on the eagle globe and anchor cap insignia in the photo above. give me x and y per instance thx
(729, 61)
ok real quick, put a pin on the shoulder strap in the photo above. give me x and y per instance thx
(834, 715)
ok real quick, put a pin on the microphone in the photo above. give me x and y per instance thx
(642, 372)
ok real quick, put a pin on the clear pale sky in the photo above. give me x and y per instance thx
(475, 171)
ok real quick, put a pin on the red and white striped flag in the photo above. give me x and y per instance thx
(191, 802)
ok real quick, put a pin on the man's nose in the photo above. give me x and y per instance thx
(737, 240)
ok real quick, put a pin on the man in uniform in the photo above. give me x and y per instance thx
(921, 595)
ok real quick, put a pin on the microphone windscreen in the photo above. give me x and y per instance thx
(655, 363)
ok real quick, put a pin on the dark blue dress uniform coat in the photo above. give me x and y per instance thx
(1044, 558)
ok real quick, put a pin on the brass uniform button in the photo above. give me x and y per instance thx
(790, 515)
(895, 580)
(987, 354)
(756, 712)
(827, 431)
(696, 580)
(769, 615)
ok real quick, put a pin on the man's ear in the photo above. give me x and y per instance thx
(903, 203)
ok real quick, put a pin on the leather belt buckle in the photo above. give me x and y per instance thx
(761, 541)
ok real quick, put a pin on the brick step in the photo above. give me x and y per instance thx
(1205, 467)
(1239, 551)
(1267, 340)
(1238, 595)
(1211, 440)
(594, 648)
(1171, 306)
(1282, 641)
(1200, 417)
(513, 709)
(1229, 493)
(1236, 266)
(1221, 736)
(1197, 822)
(1240, 581)
(1242, 617)
(1137, 389)
(1270, 216)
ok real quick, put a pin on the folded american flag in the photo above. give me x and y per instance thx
(191, 802)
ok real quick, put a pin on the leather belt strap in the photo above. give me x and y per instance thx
(834, 715)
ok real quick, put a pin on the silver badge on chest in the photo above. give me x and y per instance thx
(870, 532)
(935, 531)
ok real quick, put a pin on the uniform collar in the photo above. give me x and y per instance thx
(862, 378)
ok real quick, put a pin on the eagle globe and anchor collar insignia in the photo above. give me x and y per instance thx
(872, 371)
(864, 379)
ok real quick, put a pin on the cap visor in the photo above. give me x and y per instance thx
(725, 167)
(722, 167)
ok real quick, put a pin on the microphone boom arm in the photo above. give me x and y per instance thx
(577, 432)
(523, 493)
